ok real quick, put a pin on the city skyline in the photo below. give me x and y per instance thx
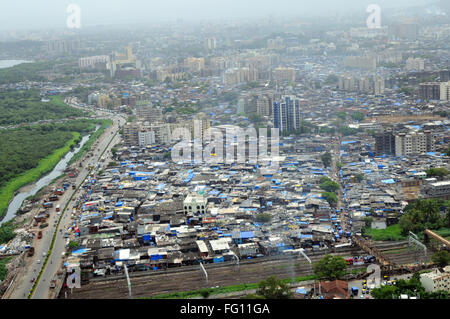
(25, 14)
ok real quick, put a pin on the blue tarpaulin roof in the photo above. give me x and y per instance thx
(246, 234)
(160, 186)
(301, 291)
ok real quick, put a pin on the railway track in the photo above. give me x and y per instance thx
(191, 278)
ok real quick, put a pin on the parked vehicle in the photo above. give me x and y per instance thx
(43, 225)
(31, 251)
(48, 205)
(39, 235)
(57, 208)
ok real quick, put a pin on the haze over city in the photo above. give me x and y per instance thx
(27, 14)
(224, 154)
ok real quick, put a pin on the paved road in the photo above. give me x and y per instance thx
(43, 287)
(23, 282)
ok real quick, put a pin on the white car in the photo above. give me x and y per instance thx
(38, 261)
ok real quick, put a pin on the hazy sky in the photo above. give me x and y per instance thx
(30, 14)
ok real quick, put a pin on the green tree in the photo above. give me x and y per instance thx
(330, 267)
(331, 198)
(359, 178)
(341, 115)
(357, 116)
(420, 215)
(437, 172)
(205, 293)
(252, 296)
(384, 292)
(72, 245)
(329, 186)
(332, 79)
(326, 159)
(368, 222)
(7, 232)
(263, 218)
(442, 258)
(273, 288)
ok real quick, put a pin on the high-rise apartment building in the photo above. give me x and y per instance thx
(413, 64)
(385, 143)
(364, 85)
(63, 46)
(445, 91)
(264, 105)
(211, 43)
(346, 83)
(378, 85)
(237, 76)
(194, 64)
(93, 61)
(413, 143)
(286, 114)
(284, 74)
(404, 144)
(131, 133)
(430, 91)
(360, 62)
(404, 31)
(199, 125)
(146, 137)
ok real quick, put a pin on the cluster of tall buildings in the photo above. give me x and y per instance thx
(284, 74)
(150, 128)
(63, 46)
(403, 144)
(98, 62)
(261, 104)
(361, 62)
(194, 64)
(237, 76)
(374, 85)
(430, 91)
(415, 64)
(405, 31)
